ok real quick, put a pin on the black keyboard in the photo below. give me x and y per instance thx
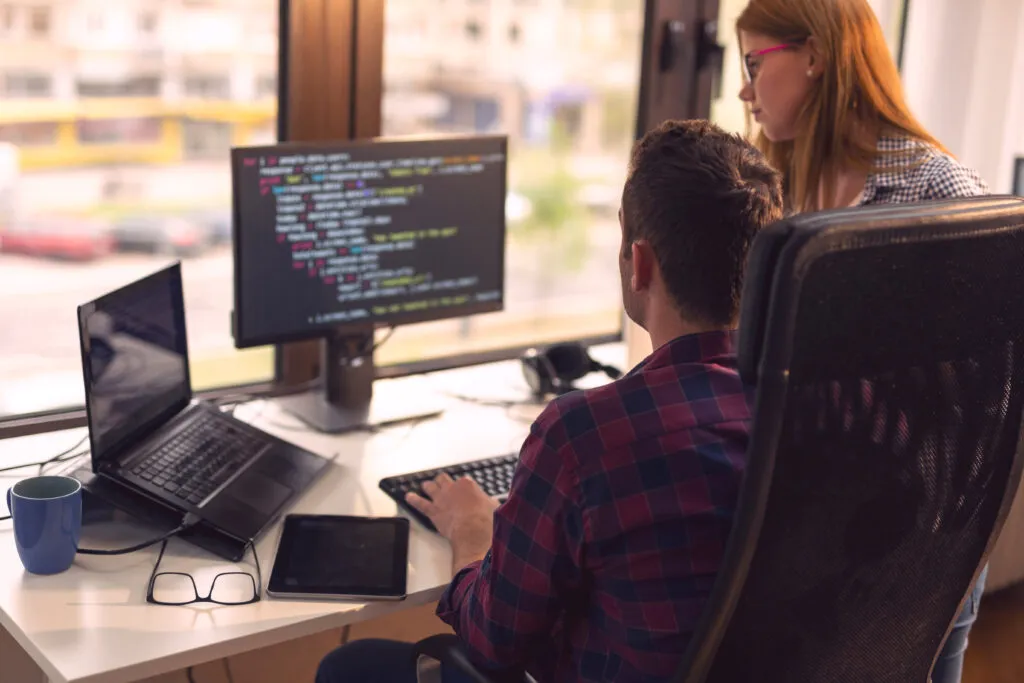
(493, 474)
(199, 458)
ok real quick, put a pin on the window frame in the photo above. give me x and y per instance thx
(688, 96)
(342, 43)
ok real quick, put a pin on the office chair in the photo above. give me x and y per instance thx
(887, 348)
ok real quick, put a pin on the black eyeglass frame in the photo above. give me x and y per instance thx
(257, 583)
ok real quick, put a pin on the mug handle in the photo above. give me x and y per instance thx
(10, 503)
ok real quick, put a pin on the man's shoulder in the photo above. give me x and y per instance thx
(572, 415)
(645, 404)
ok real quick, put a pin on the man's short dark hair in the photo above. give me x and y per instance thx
(698, 195)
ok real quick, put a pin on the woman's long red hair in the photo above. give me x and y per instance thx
(859, 88)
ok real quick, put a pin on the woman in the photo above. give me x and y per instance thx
(827, 95)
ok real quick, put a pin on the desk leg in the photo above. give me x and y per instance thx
(15, 664)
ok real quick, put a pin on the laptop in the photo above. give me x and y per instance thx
(150, 437)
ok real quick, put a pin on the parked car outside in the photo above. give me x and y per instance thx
(160, 234)
(59, 237)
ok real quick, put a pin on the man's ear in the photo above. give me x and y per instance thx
(643, 265)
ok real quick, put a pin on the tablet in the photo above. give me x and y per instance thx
(330, 557)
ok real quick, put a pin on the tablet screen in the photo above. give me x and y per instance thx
(341, 556)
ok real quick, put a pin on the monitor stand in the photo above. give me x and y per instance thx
(347, 402)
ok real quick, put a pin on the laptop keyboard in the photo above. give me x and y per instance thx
(199, 458)
(493, 474)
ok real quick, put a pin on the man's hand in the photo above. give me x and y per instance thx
(462, 513)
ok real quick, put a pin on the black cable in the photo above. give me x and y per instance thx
(62, 458)
(188, 673)
(65, 452)
(4, 519)
(227, 669)
(232, 401)
(369, 346)
(383, 340)
(493, 403)
(189, 521)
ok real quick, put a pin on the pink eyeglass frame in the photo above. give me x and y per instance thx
(765, 51)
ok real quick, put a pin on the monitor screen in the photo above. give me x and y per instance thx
(134, 360)
(366, 233)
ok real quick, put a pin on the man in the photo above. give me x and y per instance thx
(600, 562)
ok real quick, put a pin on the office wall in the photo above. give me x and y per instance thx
(963, 72)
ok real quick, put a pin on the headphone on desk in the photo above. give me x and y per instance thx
(553, 370)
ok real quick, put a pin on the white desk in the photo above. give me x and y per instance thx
(92, 623)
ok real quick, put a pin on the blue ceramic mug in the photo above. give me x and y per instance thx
(47, 515)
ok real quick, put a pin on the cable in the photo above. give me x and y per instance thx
(383, 340)
(188, 522)
(4, 519)
(188, 673)
(369, 346)
(227, 670)
(64, 458)
(65, 452)
(493, 403)
(233, 400)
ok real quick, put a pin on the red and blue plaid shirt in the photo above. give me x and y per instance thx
(605, 552)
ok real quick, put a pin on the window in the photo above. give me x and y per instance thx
(7, 18)
(95, 23)
(205, 139)
(28, 135)
(118, 131)
(117, 144)
(39, 22)
(266, 86)
(473, 29)
(148, 23)
(514, 33)
(137, 86)
(570, 116)
(208, 87)
(891, 14)
(27, 85)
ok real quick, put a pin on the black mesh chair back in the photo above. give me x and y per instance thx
(887, 345)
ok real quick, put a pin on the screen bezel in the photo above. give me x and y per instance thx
(341, 523)
(144, 429)
(243, 340)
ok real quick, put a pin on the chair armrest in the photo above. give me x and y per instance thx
(447, 649)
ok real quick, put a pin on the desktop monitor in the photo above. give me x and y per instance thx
(334, 240)
(1018, 176)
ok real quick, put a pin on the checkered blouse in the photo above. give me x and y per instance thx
(931, 174)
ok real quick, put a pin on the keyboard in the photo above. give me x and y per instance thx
(493, 474)
(199, 458)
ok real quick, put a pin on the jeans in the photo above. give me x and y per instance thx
(388, 661)
(375, 661)
(950, 663)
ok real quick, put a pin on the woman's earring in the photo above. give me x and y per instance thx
(810, 73)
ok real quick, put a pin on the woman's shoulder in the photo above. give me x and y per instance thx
(910, 170)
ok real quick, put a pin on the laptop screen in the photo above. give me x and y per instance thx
(134, 360)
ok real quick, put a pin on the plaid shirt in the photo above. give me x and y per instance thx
(931, 174)
(606, 550)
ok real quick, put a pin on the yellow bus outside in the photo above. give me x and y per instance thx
(54, 134)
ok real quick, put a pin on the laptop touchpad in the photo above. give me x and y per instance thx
(259, 492)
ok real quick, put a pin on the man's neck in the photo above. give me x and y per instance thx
(673, 327)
